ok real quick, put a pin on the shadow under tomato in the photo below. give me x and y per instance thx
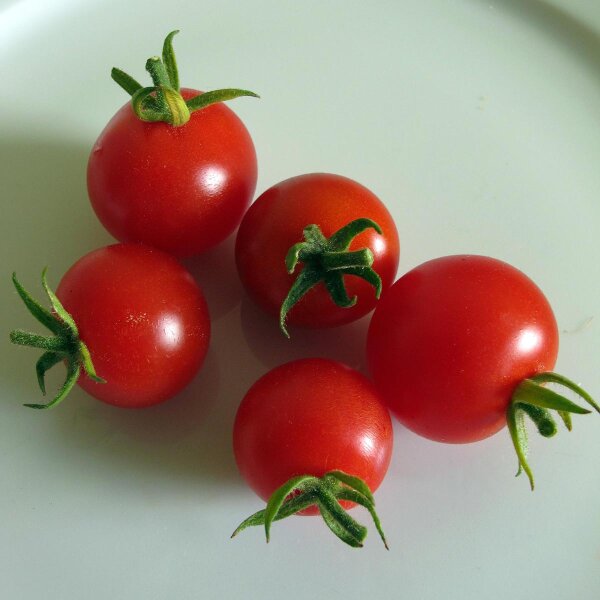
(46, 215)
(186, 438)
(216, 274)
(265, 340)
(47, 220)
(575, 35)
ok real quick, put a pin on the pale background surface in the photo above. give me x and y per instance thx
(478, 123)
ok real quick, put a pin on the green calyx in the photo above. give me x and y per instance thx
(328, 260)
(63, 346)
(304, 491)
(533, 399)
(163, 101)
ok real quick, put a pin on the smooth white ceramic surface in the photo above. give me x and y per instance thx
(477, 122)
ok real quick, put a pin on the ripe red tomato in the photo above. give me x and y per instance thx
(142, 318)
(311, 416)
(181, 189)
(451, 340)
(275, 222)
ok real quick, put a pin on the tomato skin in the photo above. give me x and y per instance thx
(180, 189)
(450, 340)
(144, 320)
(311, 416)
(274, 223)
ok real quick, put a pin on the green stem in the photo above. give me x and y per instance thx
(145, 106)
(158, 72)
(168, 56)
(301, 492)
(542, 418)
(163, 101)
(25, 338)
(290, 507)
(532, 398)
(338, 530)
(518, 433)
(334, 282)
(303, 483)
(566, 418)
(178, 109)
(207, 98)
(127, 82)
(160, 79)
(550, 377)
(341, 517)
(336, 261)
(65, 345)
(73, 371)
(329, 260)
(358, 498)
(45, 362)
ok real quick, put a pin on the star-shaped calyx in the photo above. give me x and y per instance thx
(532, 398)
(299, 493)
(64, 345)
(163, 100)
(328, 260)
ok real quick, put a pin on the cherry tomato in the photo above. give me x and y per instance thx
(134, 317)
(180, 189)
(311, 416)
(275, 222)
(452, 339)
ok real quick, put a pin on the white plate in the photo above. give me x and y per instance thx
(477, 122)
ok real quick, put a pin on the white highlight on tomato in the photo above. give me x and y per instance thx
(213, 179)
(171, 331)
(529, 340)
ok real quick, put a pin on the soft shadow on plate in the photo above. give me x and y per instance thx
(46, 214)
(575, 35)
(216, 274)
(47, 220)
(264, 338)
(186, 438)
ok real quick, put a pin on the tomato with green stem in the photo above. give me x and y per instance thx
(312, 436)
(462, 345)
(174, 168)
(128, 321)
(334, 275)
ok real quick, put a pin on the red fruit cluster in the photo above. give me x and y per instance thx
(457, 348)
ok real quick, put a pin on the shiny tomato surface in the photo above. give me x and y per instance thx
(181, 189)
(144, 320)
(450, 340)
(311, 416)
(275, 222)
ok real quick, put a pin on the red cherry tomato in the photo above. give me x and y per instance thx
(451, 340)
(180, 189)
(311, 416)
(275, 222)
(143, 319)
